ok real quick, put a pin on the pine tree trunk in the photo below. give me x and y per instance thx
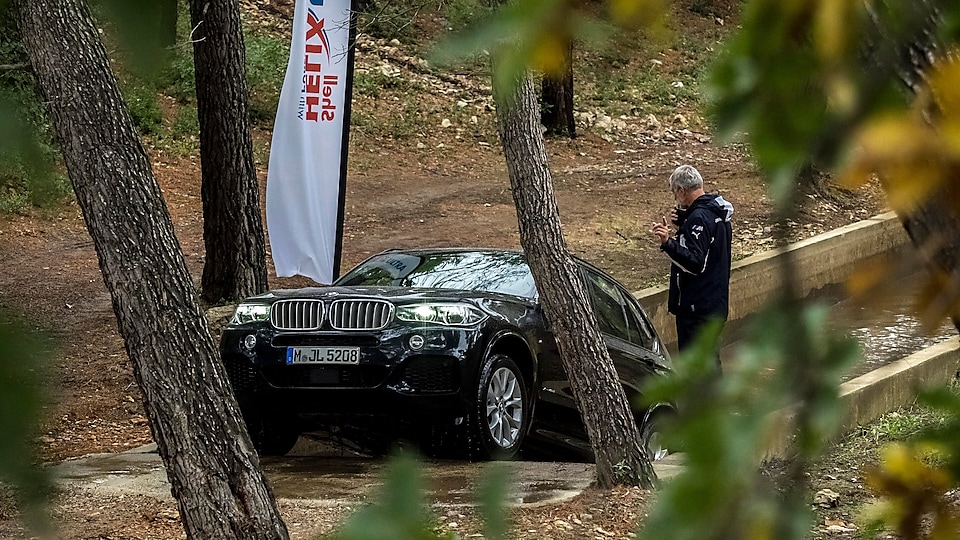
(235, 264)
(557, 100)
(213, 470)
(593, 379)
(934, 225)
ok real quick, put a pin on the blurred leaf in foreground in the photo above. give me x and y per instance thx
(399, 511)
(22, 352)
(787, 374)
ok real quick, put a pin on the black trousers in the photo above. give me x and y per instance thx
(688, 326)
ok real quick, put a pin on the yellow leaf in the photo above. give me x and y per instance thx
(832, 30)
(939, 298)
(636, 14)
(868, 277)
(549, 53)
(945, 86)
(906, 154)
(898, 461)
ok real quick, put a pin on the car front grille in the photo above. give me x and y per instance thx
(360, 314)
(297, 315)
(346, 314)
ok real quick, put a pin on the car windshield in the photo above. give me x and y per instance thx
(499, 272)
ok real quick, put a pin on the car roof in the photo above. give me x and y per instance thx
(436, 250)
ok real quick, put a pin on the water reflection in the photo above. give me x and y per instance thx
(886, 326)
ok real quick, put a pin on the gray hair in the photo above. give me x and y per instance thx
(686, 177)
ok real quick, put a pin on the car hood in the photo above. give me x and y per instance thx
(399, 295)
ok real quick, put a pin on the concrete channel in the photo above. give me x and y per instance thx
(313, 473)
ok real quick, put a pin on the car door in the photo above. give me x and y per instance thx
(628, 343)
(628, 337)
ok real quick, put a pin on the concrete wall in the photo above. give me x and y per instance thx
(820, 260)
(874, 394)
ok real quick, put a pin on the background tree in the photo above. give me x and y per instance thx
(593, 378)
(556, 94)
(533, 34)
(235, 264)
(211, 465)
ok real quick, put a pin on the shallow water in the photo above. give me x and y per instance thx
(886, 326)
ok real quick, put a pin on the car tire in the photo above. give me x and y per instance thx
(502, 416)
(651, 435)
(271, 437)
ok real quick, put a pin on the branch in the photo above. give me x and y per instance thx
(12, 67)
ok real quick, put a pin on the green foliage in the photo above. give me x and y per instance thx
(491, 496)
(22, 355)
(463, 14)
(266, 65)
(800, 81)
(27, 153)
(793, 362)
(387, 19)
(400, 511)
(136, 27)
(533, 34)
(140, 98)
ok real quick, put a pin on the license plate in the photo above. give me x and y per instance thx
(323, 355)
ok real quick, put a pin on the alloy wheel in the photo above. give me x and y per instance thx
(504, 407)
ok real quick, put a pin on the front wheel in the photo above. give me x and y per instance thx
(502, 416)
(271, 437)
(651, 436)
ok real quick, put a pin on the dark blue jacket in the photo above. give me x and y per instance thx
(700, 252)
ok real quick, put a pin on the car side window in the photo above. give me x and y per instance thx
(640, 329)
(608, 306)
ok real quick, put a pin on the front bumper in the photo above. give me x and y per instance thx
(391, 378)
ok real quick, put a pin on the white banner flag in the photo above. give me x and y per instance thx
(307, 167)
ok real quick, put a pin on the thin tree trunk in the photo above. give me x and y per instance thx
(213, 470)
(557, 100)
(593, 379)
(235, 265)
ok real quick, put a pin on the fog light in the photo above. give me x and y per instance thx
(416, 342)
(250, 342)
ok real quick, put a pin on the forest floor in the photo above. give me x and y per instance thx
(446, 188)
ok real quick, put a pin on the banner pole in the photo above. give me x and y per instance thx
(345, 145)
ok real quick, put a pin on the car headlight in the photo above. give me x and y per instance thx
(248, 313)
(445, 314)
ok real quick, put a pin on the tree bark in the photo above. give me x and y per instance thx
(934, 225)
(593, 379)
(235, 265)
(213, 470)
(557, 100)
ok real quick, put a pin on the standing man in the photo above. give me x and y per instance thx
(699, 252)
